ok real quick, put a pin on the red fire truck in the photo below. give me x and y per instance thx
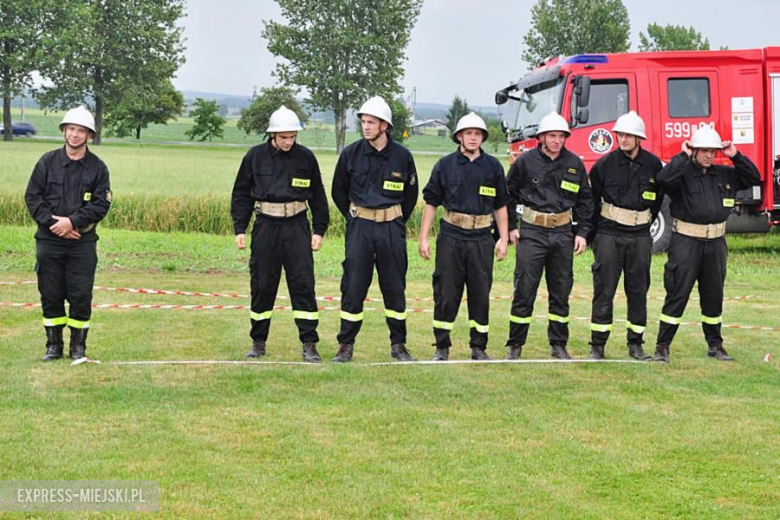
(737, 92)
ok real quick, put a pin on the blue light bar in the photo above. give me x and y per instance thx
(586, 58)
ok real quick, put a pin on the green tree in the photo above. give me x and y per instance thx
(672, 38)
(401, 120)
(114, 43)
(566, 27)
(458, 109)
(342, 52)
(255, 118)
(497, 139)
(208, 122)
(28, 35)
(142, 107)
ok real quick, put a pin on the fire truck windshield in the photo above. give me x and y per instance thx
(524, 111)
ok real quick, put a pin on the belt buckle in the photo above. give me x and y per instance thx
(710, 231)
(473, 222)
(554, 218)
(353, 211)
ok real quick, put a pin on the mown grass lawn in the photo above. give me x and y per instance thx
(694, 439)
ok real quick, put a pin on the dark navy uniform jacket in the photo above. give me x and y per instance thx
(475, 187)
(79, 190)
(706, 198)
(626, 183)
(268, 174)
(374, 179)
(551, 186)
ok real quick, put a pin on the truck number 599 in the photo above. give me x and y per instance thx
(684, 128)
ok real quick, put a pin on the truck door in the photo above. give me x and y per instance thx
(610, 97)
(688, 101)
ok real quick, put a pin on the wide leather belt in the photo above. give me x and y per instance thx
(466, 221)
(279, 209)
(546, 220)
(627, 217)
(699, 230)
(377, 215)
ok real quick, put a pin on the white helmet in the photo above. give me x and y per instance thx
(79, 116)
(630, 124)
(470, 120)
(553, 122)
(377, 107)
(283, 120)
(706, 137)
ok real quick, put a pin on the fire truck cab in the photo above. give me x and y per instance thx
(736, 92)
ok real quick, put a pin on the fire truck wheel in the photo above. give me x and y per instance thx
(661, 229)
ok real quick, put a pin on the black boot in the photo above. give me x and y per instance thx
(559, 352)
(719, 353)
(78, 343)
(636, 351)
(596, 351)
(661, 353)
(258, 349)
(479, 354)
(310, 354)
(344, 355)
(54, 343)
(442, 354)
(400, 352)
(514, 352)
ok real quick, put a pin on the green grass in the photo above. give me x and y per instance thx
(694, 439)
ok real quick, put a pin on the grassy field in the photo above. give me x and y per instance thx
(316, 135)
(694, 439)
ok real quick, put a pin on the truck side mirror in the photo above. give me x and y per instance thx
(502, 97)
(582, 115)
(582, 90)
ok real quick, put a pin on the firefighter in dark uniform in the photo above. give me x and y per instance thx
(276, 180)
(702, 197)
(375, 188)
(627, 200)
(68, 194)
(551, 185)
(471, 186)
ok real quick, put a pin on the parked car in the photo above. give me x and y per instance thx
(21, 128)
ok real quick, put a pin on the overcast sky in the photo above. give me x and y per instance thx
(453, 50)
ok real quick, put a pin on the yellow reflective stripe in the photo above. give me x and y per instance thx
(393, 186)
(670, 320)
(570, 186)
(258, 316)
(559, 319)
(395, 314)
(487, 191)
(351, 317)
(446, 325)
(53, 322)
(717, 320)
(648, 195)
(480, 328)
(601, 327)
(639, 329)
(76, 324)
(301, 183)
(728, 203)
(87, 196)
(519, 319)
(306, 315)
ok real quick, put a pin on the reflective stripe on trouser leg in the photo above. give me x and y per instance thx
(357, 272)
(265, 271)
(449, 277)
(54, 322)
(560, 278)
(391, 265)
(680, 274)
(77, 324)
(298, 264)
(529, 264)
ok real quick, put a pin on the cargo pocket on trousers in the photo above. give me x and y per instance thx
(598, 283)
(436, 286)
(344, 283)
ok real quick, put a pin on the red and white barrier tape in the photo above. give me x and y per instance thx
(286, 308)
(168, 292)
